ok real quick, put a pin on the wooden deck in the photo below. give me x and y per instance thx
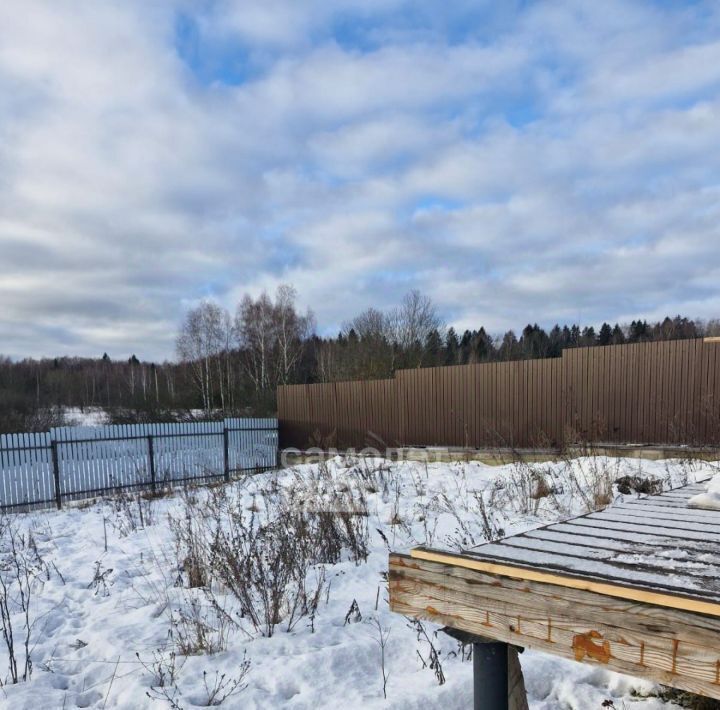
(635, 587)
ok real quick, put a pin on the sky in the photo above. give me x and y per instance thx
(517, 162)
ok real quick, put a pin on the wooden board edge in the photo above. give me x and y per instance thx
(636, 655)
(629, 593)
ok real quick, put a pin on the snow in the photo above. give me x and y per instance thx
(710, 500)
(89, 416)
(86, 636)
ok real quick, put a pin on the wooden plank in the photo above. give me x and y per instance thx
(658, 598)
(637, 637)
(619, 556)
(678, 559)
(700, 628)
(668, 549)
(612, 528)
(518, 552)
(625, 542)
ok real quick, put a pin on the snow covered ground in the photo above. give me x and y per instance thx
(90, 416)
(112, 579)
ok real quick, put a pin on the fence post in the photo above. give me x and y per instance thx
(226, 454)
(278, 450)
(56, 473)
(151, 458)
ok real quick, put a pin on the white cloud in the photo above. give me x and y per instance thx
(551, 163)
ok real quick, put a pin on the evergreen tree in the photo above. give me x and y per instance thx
(567, 341)
(555, 341)
(484, 348)
(452, 346)
(465, 348)
(588, 336)
(534, 341)
(575, 335)
(433, 349)
(605, 336)
(509, 349)
(639, 332)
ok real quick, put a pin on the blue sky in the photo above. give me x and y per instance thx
(517, 162)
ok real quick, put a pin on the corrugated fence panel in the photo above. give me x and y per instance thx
(655, 393)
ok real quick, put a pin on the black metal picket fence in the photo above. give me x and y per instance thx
(72, 463)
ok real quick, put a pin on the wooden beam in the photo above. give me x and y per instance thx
(712, 339)
(613, 590)
(674, 647)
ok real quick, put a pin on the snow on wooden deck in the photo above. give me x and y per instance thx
(656, 543)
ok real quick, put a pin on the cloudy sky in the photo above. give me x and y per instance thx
(518, 162)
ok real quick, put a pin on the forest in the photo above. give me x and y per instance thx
(231, 364)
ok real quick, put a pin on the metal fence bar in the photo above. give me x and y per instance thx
(151, 459)
(81, 462)
(226, 454)
(56, 475)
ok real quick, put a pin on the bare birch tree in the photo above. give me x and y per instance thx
(271, 337)
(292, 332)
(200, 342)
(254, 329)
(411, 324)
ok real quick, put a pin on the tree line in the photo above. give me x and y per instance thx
(231, 363)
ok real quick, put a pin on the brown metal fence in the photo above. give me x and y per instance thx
(653, 393)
